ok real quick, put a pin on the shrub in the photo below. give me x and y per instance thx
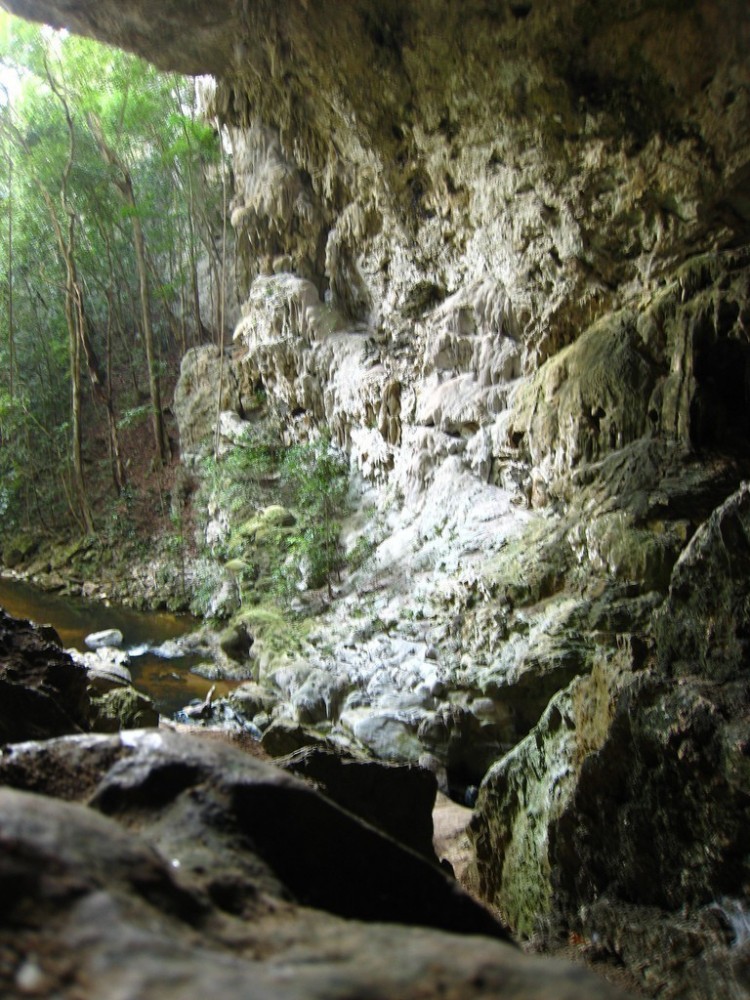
(318, 476)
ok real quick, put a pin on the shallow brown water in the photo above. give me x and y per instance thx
(168, 681)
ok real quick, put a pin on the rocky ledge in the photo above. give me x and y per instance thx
(153, 865)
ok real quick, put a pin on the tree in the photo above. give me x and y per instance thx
(7, 110)
(96, 147)
(123, 180)
(63, 220)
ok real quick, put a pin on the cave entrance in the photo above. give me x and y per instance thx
(720, 410)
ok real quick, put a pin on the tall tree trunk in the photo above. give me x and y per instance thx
(74, 350)
(124, 184)
(157, 419)
(118, 470)
(11, 330)
(194, 286)
(220, 391)
(66, 244)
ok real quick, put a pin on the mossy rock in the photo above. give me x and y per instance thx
(264, 524)
(67, 553)
(284, 736)
(524, 795)
(274, 634)
(236, 642)
(263, 540)
(278, 517)
(239, 567)
(632, 553)
(251, 699)
(532, 566)
(262, 621)
(19, 549)
(123, 708)
(209, 671)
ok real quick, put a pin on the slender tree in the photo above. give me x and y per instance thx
(124, 183)
(102, 191)
(11, 328)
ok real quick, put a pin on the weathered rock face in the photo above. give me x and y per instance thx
(195, 400)
(500, 250)
(622, 814)
(43, 693)
(541, 161)
(196, 868)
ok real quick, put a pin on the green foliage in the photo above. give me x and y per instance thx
(119, 526)
(26, 448)
(235, 481)
(134, 416)
(362, 551)
(149, 120)
(254, 485)
(319, 478)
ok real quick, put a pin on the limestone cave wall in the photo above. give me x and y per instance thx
(501, 248)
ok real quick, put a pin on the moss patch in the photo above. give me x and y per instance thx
(276, 635)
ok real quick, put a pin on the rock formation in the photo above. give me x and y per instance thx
(47, 692)
(42, 692)
(501, 250)
(196, 868)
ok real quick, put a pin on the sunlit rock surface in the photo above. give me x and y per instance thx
(500, 250)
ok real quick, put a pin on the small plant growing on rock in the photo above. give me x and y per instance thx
(362, 550)
(318, 476)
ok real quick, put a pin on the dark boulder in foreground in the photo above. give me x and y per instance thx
(43, 693)
(397, 799)
(197, 870)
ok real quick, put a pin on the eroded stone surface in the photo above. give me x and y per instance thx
(43, 692)
(198, 868)
(621, 815)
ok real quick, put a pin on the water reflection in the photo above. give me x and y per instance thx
(167, 680)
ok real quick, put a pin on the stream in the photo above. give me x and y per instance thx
(168, 681)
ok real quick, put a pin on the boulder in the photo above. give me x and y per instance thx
(43, 693)
(621, 818)
(250, 699)
(107, 677)
(320, 697)
(106, 668)
(195, 869)
(389, 734)
(464, 743)
(122, 708)
(107, 637)
(397, 799)
(19, 549)
(284, 736)
(236, 642)
(703, 626)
